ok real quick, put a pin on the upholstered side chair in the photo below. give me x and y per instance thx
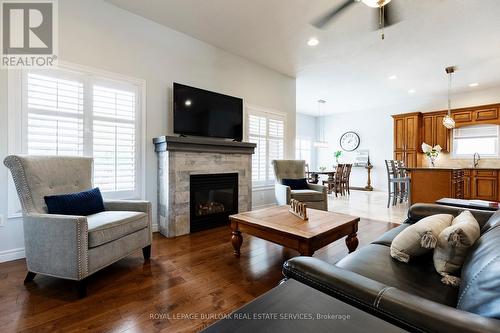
(73, 247)
(315, 196)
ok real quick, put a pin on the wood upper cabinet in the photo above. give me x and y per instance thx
(407, 138)
(489, 114)
(412, 130)
(434, 132)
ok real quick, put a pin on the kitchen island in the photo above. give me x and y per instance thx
(429, 184)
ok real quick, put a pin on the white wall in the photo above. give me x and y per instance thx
(97, 34)
(306, 129)
(375, 128)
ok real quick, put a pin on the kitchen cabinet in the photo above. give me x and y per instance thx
(407, 138)
(433, 131)
(489, 114)
(485, 185)
(431, 184)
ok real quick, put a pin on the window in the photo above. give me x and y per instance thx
(303, 150)
(78, 113)
(267, 130)
(482, 139)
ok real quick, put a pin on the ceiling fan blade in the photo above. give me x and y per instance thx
(391, 16)
(323, 20)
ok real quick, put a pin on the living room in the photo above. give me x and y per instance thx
(108, 220)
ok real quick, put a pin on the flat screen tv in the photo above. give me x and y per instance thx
(200, 112)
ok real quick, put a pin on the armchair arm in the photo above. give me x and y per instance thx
(56, 245)
(318, 187)
(128, 205)
(409, 311)
(283, 194)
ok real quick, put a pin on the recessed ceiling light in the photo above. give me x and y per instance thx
(393, 77)
(313, 41)
(472, 85)
(187, 102)
(412, 91)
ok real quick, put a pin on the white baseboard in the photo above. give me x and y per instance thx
(12, 254)
(155, 228)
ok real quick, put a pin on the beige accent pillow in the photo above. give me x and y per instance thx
(420, 237)
(453, 245)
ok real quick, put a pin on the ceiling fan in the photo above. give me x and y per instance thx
(385, 13)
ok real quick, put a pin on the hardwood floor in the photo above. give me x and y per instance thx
(187, 284)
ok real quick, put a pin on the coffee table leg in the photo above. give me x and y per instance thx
(236, 240)
(352, 242)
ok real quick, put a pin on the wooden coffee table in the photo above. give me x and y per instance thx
(278, 225)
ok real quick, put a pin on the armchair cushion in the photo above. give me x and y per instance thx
(79, 204)
(295, 183)
(307, 195)
(108, 226)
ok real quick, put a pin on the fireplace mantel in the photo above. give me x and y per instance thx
(202, 145)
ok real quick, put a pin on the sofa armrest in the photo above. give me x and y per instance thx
(419, 211)
(411, 312)
(56, 245)
(318, 188)
(283, 194)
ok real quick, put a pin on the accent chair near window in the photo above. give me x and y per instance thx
(68, 246)
(315, 196)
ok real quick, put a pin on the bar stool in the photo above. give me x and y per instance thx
(398, 182)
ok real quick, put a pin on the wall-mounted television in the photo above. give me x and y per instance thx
(200, 112)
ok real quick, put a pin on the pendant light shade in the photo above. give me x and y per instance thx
(448, 120)
(321, 142)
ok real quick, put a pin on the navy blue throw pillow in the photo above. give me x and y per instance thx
(296, 184)
(80, 204)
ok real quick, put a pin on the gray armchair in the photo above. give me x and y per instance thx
(315, 196)
(74, 247)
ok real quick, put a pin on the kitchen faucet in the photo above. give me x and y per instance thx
(477, 158)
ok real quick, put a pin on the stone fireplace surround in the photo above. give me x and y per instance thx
(181, 157)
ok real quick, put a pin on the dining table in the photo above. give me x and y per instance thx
(313, 177)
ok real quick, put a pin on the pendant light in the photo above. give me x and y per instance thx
(448, 121)
(321, 142)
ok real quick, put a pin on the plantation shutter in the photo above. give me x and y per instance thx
(267, 131)
(114, 139)
(54, 116)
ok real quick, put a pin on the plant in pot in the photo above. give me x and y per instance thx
(432, 153)
(337, 155)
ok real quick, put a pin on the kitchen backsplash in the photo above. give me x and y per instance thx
(445, 160)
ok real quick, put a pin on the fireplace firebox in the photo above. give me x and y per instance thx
(213, 198)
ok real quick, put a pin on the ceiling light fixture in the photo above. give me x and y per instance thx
(313, 41)
(472, 85)
(448, 121)
(412, 91)
(393, 77)
(321, 142)
(376, 3)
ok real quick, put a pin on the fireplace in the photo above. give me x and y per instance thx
(213, 197)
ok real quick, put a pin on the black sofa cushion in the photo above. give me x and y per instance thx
(418, 277)
(480, 287)
(419, 211)
(387, 238)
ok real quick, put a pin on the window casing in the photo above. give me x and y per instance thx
(67, 112)
(482, 139)
(267, 130)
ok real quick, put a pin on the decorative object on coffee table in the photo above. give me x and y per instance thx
(299, 209)
(277, 225)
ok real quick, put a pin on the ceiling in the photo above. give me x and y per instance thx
(351, 65)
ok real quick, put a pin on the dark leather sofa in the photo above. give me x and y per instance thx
(412, 295)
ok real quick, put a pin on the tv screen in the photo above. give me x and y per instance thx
(204, 113)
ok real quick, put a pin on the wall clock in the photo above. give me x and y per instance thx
(349, 141)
